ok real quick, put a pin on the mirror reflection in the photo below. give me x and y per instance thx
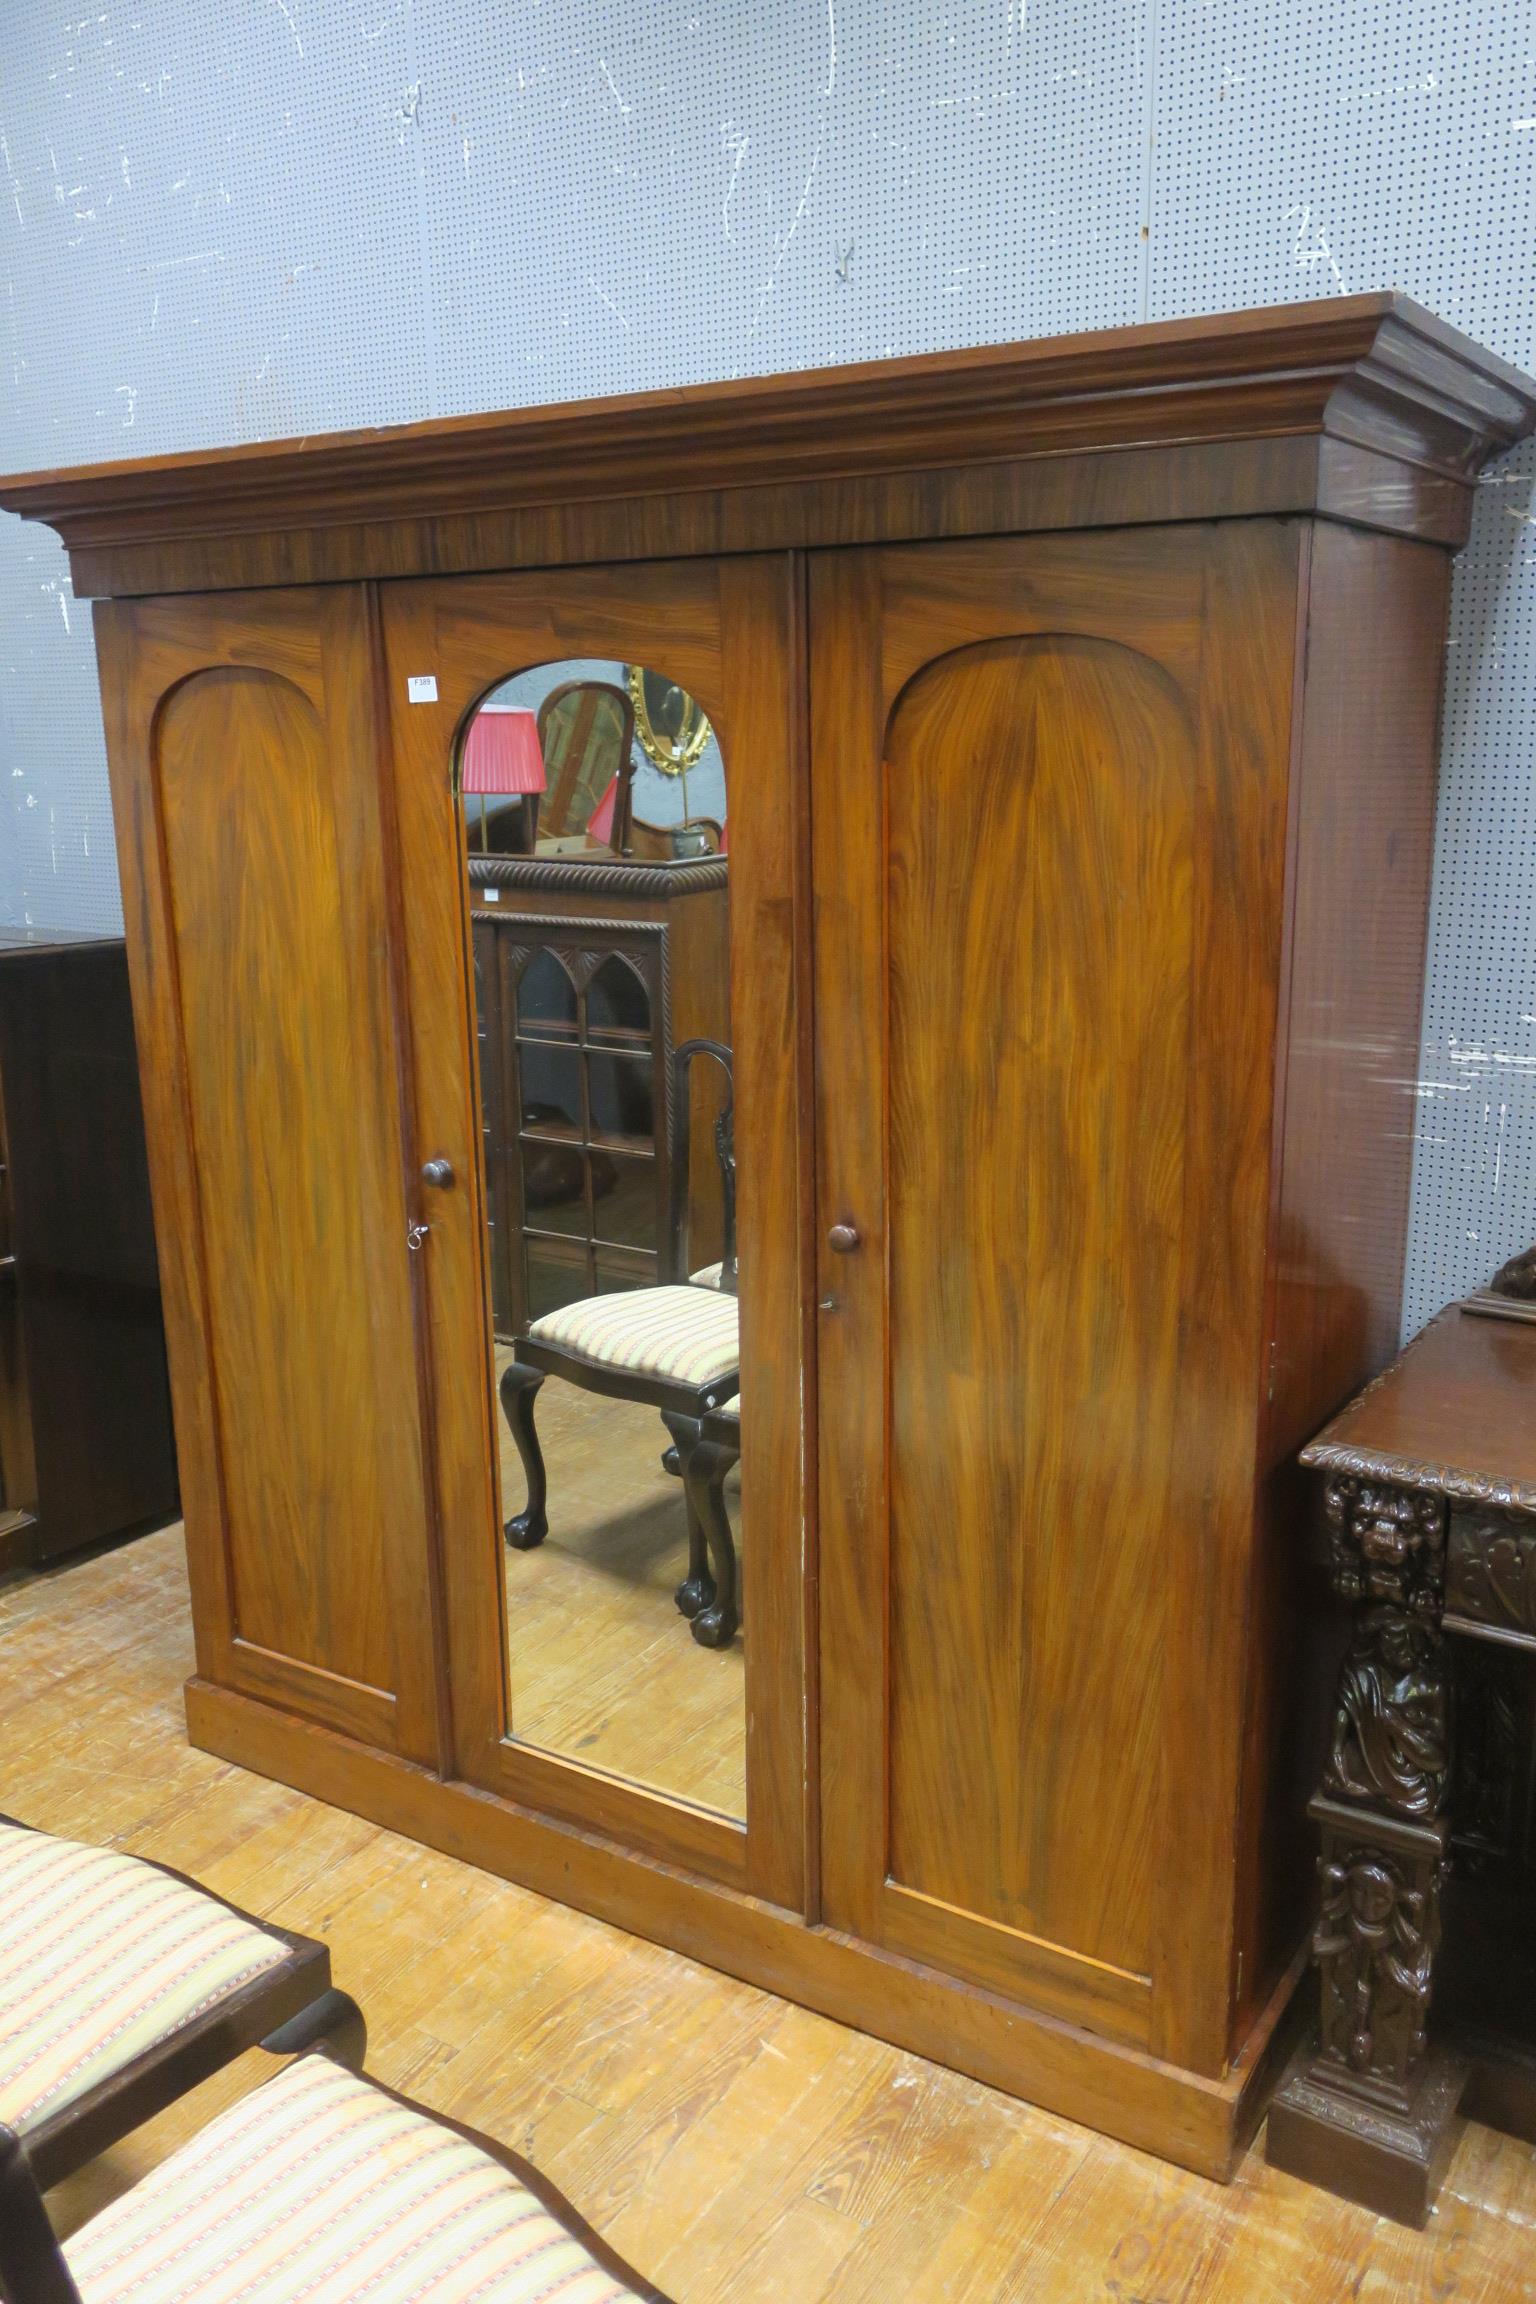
(607, 1105)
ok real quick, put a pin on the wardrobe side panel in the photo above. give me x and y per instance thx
(1374, 612)
(247, 793)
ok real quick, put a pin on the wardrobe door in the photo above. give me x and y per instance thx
(245, 755)
(1049, 836)
(557, 962)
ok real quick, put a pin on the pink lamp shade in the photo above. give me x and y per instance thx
(600, 823)
(501, 753)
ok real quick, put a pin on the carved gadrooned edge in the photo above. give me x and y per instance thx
(1456, 1486)
(568, 876)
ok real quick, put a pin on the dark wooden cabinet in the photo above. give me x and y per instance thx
(1427, 1803)
(86, 1448)
(589, 975)
(1079, 704)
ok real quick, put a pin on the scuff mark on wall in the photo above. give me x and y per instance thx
(286, 13)
(824, 113)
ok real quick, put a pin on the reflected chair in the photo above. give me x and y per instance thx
(675, 1347)
(587, 735)
(123, 1985)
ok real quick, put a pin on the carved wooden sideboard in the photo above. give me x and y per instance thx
(1430, 1503)
(1078, 702)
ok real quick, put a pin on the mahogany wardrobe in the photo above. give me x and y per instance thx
(1076, 703)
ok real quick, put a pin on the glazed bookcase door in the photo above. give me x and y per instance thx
(244, 745)
(1044, 828)
(727, 633)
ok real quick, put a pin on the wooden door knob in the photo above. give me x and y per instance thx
(843, 1239)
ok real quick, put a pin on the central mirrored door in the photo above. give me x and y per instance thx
(597, 823)
(597, 886)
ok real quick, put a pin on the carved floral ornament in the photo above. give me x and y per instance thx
(1492, 1570)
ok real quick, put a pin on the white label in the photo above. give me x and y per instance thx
(490, 895)
(421, 687)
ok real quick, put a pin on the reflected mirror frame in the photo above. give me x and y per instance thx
(675, 752)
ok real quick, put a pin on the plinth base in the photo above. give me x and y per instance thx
(1388, 2161)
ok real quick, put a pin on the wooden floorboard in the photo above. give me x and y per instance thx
(603, 1668)
(737, 2148)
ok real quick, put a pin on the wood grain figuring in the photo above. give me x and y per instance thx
(1078, 1048)
(265, 1015)
(1104, 487)
(266, 1012)
(741, 2150)
(1250, 583)
(1039, 925)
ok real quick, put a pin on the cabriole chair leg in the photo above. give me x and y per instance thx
(704, 1469)
(519, 1390)
(697, 1590)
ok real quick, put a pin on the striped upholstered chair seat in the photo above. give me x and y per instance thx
(101, 1958)
(673, 1335)
(320, 2187)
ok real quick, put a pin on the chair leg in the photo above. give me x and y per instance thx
(334, 2021)
(697, 1590)
(519, 1390)
(704, 1471)
(32, 2266)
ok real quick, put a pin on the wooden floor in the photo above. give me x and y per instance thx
(602, 1666)
(733, 2146)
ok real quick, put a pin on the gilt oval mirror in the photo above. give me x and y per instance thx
(671, 726)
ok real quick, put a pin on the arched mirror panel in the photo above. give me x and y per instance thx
(596, 883)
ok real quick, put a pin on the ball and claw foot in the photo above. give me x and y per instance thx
(715, 1627)
(694, 1595)
(525, 1530)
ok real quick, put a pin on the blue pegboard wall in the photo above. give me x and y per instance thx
(286, 216)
